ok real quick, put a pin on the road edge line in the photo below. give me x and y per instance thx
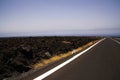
(46, 74)
(115, 41)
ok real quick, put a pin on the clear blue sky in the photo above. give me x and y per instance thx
(59, 17)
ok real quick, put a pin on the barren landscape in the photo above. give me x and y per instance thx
(17, 54)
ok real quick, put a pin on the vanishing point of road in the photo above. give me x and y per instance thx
(101, 62)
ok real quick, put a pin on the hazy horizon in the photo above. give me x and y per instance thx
(59, 17)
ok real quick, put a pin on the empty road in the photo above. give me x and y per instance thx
(102, 62)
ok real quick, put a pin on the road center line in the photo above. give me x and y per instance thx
(44, 75)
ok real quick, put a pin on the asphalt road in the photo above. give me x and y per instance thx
(102, 62)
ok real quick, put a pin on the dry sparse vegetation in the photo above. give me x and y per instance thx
(18, 54)
(60, 56)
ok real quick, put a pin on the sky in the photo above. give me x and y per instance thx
(59, 17)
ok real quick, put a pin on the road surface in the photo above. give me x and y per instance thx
(102, 62)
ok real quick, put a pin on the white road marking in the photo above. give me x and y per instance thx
(64, 63)
(116, 41)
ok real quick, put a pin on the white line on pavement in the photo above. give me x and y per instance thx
(116, 41)
(64, 63)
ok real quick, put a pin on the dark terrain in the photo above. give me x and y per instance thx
(18, 54)
(102, 62)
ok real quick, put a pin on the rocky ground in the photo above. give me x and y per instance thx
(17, 54)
